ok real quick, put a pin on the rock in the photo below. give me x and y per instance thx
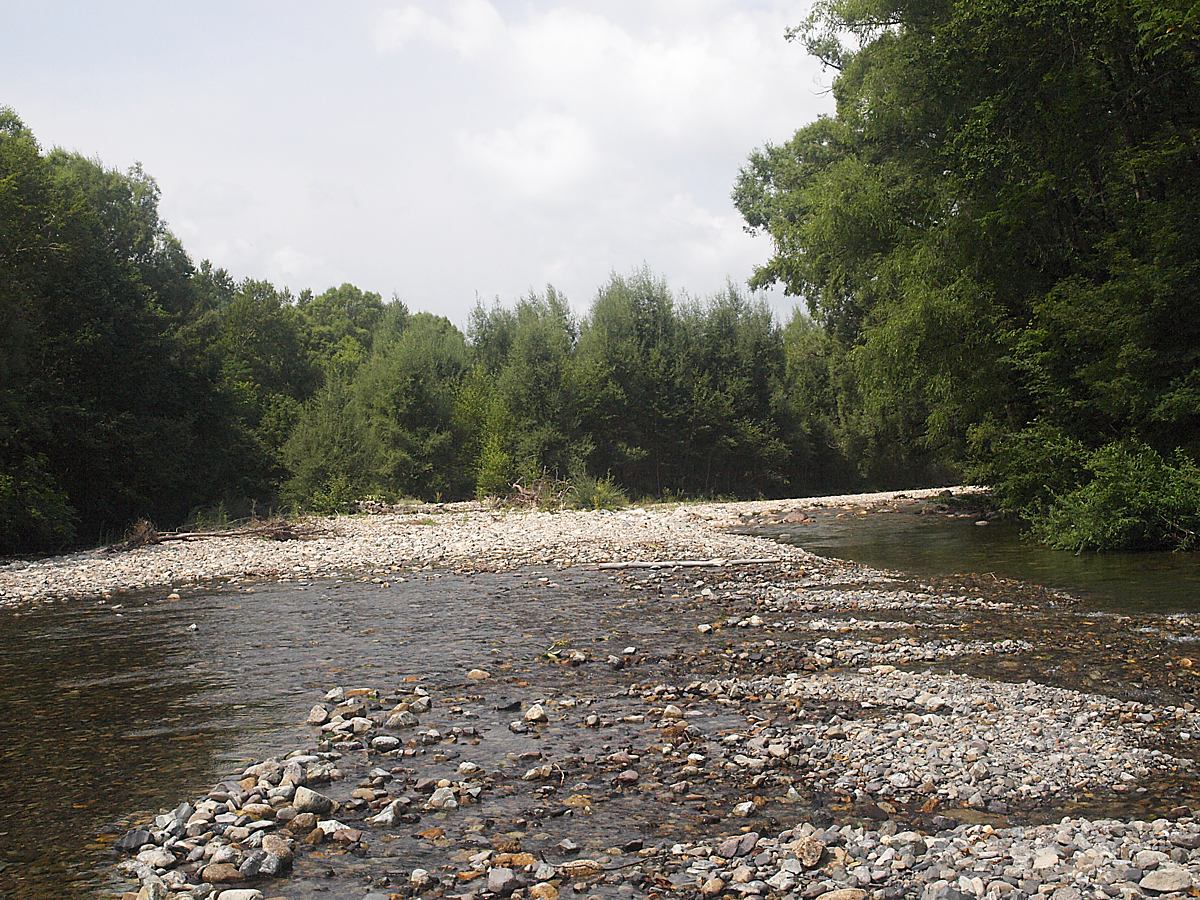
(318, 715)
(152, 890)
(809, 851)
(672, 712)
(220, 873)
(501, 881)
(133, 840)
(1167, 879)
(536, 713)
(240, 894)
(712, 887)
(1046, 858)
(1147, 859)
(271, 865)
(728, 848)
(843, 894)
(581, 868)
(277, 845)
(309, 801)
(389, 815)
(302, 823)
(442, 798)
(158, 858)
(744, 810)
(402, 719)
(478, 675)
(543, 891)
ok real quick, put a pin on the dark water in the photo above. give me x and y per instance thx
(936, 545)
(114, 714)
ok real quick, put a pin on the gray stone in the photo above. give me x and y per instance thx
(1166, 879)
(307, 800)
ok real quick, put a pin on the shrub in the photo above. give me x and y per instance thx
(588, 492)
(34, 513)
(1133, 500)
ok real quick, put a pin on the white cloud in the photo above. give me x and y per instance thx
(464, 26)
(486, 148)
(541, 155)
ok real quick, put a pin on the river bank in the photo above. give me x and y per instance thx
(793, 728)
(463, 536)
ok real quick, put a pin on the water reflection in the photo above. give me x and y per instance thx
(936, 545)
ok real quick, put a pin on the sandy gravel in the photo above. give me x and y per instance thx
(464, 536)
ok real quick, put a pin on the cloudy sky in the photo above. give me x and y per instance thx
(442, 151)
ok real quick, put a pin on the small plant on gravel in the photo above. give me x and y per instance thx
(589, 492)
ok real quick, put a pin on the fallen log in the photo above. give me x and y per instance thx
(689, 563)
(143, 534)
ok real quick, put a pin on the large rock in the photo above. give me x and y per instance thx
(1167, 879)
(277, 845)
(158, 857)
(220, 873)
(308, 800)
(501, 881)
(443, 798)
(133, 840)
(808, 850)
(240, 894)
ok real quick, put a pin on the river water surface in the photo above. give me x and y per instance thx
(117, 710)
(936, 545)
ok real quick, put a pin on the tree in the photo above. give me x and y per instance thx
(1002, 235)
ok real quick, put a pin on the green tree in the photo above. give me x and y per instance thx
(1001, 236)
(408, 390)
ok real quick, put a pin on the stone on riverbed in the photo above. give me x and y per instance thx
(309, 801)
(221, 873)
(1167, 879)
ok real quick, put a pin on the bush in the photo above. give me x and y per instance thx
(1133, 500)
(337, 495)
(494, 476)
(34, 513)
(588, 492)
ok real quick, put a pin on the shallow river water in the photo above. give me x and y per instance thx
(937, 545)
(119, 710)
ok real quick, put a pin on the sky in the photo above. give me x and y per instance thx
(444, 152)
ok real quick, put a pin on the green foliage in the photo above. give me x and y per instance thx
(589, 492)
(339, 327)
(1000, 239)
(408, 391)
(34, 512)
(332, 454)
(1132, 499)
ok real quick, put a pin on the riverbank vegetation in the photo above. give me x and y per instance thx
(1000, 231)
(997, 235)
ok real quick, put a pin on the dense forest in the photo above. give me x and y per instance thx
(136, 384)
(997, 237)
(1000, 231)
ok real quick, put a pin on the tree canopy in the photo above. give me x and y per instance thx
(999, 229)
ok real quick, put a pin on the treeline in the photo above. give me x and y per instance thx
(998, 235)
(135, 384)
(1000, 228)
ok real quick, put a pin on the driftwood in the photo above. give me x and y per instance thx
(688, 563)
(144, 534)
